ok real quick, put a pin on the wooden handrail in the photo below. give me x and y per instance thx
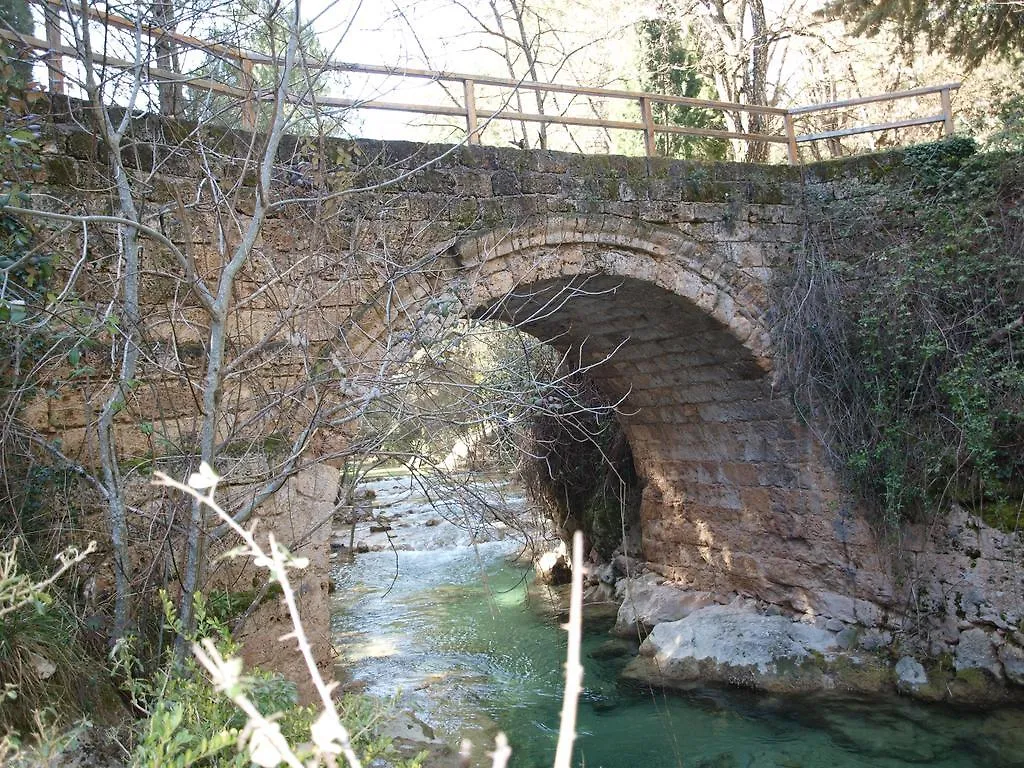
(922, 91)
(475, 118)
(911, 122)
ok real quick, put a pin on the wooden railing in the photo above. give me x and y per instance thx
(476, 120)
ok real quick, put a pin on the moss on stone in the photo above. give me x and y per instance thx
(706, 191)
(862, 673)
(765, 194)
(1005, 516)
(464, 214)
(61, 171)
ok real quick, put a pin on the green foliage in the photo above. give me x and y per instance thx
(909, 344)
(670, 67)
(168, 741)
(968, 30)
(192, 724)
(41, 653)
(1010, 134)
(262, 26)
(15, 15)
(24, 268)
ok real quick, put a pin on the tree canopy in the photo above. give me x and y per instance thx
(968, 31)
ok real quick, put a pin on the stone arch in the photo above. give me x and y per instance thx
(707, 274)
(738, 496)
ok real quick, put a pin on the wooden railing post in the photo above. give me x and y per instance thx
(794, 150)
(54, 60)
(648, 119)
(472, 131)
(947, 111)
(249, 85)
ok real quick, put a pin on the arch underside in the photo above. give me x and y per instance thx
(736, 496)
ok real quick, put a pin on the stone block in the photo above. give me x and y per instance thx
(1011, 656)
(977, 651)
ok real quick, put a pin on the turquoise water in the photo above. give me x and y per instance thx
(459, 638)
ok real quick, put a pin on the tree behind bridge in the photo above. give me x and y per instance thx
(968, 30)
(670, 68)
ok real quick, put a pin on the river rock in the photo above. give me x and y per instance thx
(735, 644)
(599, 593)
(1011, 656)
(646, 605)
(976, 651)
(553, 568)
(910, 675)
(615, 648)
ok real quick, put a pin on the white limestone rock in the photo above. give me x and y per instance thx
(910, 675)
(647, 605)
(976, 651)
(1011, 656)
(734, 636)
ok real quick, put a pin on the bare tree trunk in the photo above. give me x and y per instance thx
(213, 383)
(524, 142)
(756, 77)
(127, 322)
(170, 93)
(530, 53)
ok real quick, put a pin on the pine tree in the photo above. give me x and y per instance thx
(669, 67)
(258, 26)
(968, 30)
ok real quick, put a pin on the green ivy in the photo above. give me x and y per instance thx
(918, 333)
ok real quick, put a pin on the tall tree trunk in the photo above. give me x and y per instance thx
(169, 93)
(756, 76)
(524, 141)
(531, 67)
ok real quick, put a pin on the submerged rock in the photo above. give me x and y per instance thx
(614, 649)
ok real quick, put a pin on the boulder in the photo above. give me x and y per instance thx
(875, 640)
(735, 644)
(910, 675)
(647, 605)
(1012, 658)
(976, 651)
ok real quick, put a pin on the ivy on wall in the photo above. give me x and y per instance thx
(903, 328)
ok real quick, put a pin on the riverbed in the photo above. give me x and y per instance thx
(443, 621)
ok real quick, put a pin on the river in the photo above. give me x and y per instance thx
(455, 634)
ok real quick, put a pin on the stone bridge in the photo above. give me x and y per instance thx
(663, 269)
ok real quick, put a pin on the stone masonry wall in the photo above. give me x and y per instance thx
(663, 267)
